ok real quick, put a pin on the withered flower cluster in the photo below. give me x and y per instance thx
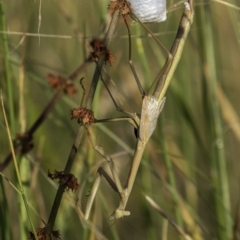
(58, 82)
(66, 179)
(99, 50)
(83, 115)
(42, 235)
(120, 5)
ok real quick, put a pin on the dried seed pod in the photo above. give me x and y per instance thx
(149, 10)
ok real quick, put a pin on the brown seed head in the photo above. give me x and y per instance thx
(99, 50)
(58, 82)
(66, 179)
(83, 115)
(120, 5)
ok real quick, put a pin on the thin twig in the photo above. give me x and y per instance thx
(78, 139)
(16, 168)
(159, 210)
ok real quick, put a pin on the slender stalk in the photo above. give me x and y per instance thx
(17, 169)
(33, 128)
(79, 136)
(24, 163)
(171, 178)
(100, 63)
(219, 166)
(8, 75)
(4, 214)
(178, 228)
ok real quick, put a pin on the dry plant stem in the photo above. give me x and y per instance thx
(46, 111)
(100, 62)
(58, 197)
(88, 224)
(159, 210)
(79, 136)
(34, 127)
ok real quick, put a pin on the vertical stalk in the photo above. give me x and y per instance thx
(8, 75)
(100, 63)
(5, 223)
(17, 169)
(171, 178)
(24, 163)
(218, 161)
(79, 136)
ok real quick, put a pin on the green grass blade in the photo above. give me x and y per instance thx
(218, 161)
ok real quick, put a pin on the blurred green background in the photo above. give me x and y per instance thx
(191, 164)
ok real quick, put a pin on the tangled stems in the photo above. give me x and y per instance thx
(78, 139)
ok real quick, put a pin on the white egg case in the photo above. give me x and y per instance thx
(149, 10)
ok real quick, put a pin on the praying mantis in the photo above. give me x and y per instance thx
(152, 106)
